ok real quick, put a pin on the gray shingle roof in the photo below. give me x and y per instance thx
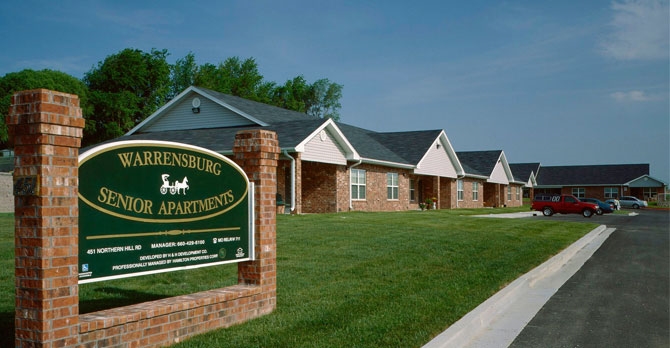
(608, 174)
(411, 146)
(264, 112)
(294, 127)
(479, 162)
(521, 171)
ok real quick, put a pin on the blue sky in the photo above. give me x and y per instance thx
(555, 82)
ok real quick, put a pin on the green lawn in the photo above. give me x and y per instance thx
(352, 279)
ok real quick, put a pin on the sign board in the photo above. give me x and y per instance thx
(148, 207)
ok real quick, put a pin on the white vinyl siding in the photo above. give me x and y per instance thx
(436, 162)
(498, 175)
(321, 148)
(212, 115)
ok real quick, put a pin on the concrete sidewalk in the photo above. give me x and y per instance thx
(498, 320)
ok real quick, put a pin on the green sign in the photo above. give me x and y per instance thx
(149, 207)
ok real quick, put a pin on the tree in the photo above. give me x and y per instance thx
(324, 100)
(293, 95)
(184, 73)
(235, 77)
(320, 99)
(31, 79)
(125, 88)
(241, 78)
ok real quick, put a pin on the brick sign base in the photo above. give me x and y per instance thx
(45, 128)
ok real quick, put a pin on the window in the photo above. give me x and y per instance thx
(392, 185)
(412, 191)
(518, 193)
(459, 189)
(578, 192)
(475, 191)
(611, 192)
(357, 184)
(649, 192)
(509, 193)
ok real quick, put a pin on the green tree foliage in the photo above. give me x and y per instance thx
(235, 77)
(325, 99)
(31, 79)
(125, 88)
(184, 72)
(293, 95)
(320, 99)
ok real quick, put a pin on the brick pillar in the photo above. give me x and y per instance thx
(257, 152)
(45, 128)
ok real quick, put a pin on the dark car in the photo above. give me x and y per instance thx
(603, 208)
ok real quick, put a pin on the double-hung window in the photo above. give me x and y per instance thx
(475, 191)
(392, 185)
(578, 192)
(509, 193)
(459, 189)
(412, 190)
(611, 192)
(358, 184)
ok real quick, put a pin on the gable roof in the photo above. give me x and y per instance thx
(491, 165)
(525, 172)
(224, 115)
(479, 163)
(591, 175)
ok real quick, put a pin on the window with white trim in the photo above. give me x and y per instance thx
(611, 192)
(412, 190)
(391, 185)
(358, 184)
(518, 193)
(475, 191)
(579, 192)
(459, 189)
(509, 193)
(648, 192)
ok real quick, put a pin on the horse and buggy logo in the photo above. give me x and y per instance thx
(174, 188)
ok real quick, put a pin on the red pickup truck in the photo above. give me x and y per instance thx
(562, 204)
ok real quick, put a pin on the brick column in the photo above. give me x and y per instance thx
(257, 152)
(45, 128)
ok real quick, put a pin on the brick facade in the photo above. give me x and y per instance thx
(45, 128)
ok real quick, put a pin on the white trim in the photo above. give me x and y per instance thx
(154, 117)
(338, 136)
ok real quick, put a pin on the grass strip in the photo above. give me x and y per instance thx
(354, 279)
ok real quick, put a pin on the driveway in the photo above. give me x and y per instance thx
(619, 298)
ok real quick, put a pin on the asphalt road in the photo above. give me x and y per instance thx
(619, 298)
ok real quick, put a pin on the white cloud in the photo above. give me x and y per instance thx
(640, 30)
(631, 96)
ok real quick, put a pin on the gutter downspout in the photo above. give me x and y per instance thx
(292, 180)
(351, 204)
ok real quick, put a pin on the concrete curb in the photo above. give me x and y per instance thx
(498, 320)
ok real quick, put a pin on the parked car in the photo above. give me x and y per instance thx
(550, 204)
(603, 208)
(632, 202)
